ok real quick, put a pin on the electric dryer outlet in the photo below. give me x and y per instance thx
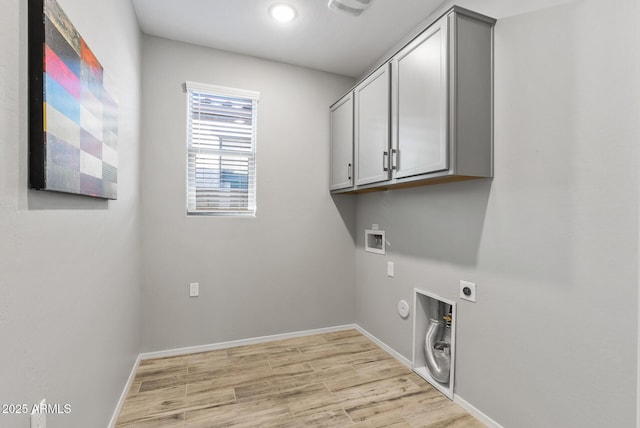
(468, 291)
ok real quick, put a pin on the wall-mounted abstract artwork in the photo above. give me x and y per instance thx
(73, 113)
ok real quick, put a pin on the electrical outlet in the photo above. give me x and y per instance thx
(468, 291)
(39, 415)
(194, 289)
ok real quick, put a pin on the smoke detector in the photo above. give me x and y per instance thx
(351, 7)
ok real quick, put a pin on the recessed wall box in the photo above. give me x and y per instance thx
(434, 340)
(374, 241)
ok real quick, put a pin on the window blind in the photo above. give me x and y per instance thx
(221, 150)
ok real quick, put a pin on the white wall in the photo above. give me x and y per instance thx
(69, 266)
(292, 267)
(551, 241)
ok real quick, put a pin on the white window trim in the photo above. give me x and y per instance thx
(230, 92)
(221, 90)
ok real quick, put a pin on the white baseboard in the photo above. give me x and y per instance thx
(398, 356)
(456, 398)
(213, 347)
(242, 342)
(123, 396)
(255, 340)
(475, 412)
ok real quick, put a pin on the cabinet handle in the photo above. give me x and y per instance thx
(385, 161)
(349, 171)
(394, 159)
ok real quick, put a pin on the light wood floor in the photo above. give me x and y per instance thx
(329, 380)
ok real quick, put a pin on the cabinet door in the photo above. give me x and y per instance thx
(419, 104)
(372, 127)
(342, 143)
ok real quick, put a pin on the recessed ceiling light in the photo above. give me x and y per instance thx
(282, 12)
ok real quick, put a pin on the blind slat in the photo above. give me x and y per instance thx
(221, 152)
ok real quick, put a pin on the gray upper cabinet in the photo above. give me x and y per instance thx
(341, 175)
(420, 104)
(426, 115)
(371, 133)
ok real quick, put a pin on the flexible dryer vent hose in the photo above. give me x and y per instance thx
(437, 352)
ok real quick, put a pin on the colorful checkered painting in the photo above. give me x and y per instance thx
(73, 111)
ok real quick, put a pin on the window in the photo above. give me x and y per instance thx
(221, 150)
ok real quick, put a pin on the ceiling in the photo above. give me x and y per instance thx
(318, 38)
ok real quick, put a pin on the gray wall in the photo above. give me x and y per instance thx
(69, 266)
(551, 241)
(292, 267)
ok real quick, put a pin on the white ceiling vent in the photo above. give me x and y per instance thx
(351, 7)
